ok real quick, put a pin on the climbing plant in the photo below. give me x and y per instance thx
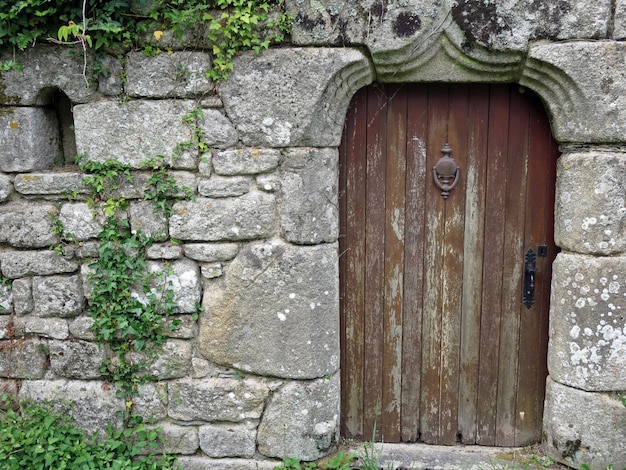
(228, 26)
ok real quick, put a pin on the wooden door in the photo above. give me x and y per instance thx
(437, 345)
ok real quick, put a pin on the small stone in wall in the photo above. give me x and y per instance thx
(164, 251)
(91, 404)
(217, 399)
(175, 439)
(6, 187)
(228, 440)
(23, 359)
(211, 252)
(50, 184)
(76, 359)
(80, 221)
(301, 420)
(22, 296)
(17, 264)
(27, 225)
(182, 276)
(246, 217)
(151, 402)
(59, 296)
(80, 328)
(144, 219)
(54, 328)
(245, 161)
(6, 299)
(220, 186)
(211, 271)
(186, 327)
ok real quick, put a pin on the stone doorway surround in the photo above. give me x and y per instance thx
(292, 101)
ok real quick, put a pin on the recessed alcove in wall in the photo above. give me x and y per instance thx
(57, 100)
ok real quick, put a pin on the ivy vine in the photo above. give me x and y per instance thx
(228, 26)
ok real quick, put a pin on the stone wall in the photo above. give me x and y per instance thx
(256, 377)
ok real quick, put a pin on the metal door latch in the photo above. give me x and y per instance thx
(530, 268)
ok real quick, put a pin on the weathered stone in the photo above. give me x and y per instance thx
(151, 402)
(76, 359)
(23, 359)
(205, 164)
(87, 250)
(232, 440)
(185, 328)
(587, 347)
(7, 328)
(619, 25)
(203, 368)
(293, 97)
(46, 69)
(245, 161)
(599, 225)
(58, 296)
(80, 221)
(211, 271)
(274, 293)
(216, 399)
(110, 79)
(583, 428)
(177, 75)
(243, 218)
(81, 328)
(269, 183)
(309, 206)
(22, 296)
(182, 276)
(211, 252)
(134, 132)
(175, 439)
(173, 362)
(27, 225)
(91, 403)
(6, 299)
(6, 187)
(197, 462)
(219, 186)
(44, 184)
(578, 80)
(24, 263)
(301, 420)
(30, 139)
(502, 25)
(145, 219)
(55, 328)
(164, 251)
(217, 129)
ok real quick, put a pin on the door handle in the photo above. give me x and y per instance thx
(530, 268)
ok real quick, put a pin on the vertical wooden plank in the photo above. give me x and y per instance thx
(433, 262)
(352, 263)
(538, 230)
(513, 269)
(492, 266)
(453, 270)
(416, 181)
(394, 262)
(475, 174)
(374, 255)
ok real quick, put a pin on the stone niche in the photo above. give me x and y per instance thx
(256, 377)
